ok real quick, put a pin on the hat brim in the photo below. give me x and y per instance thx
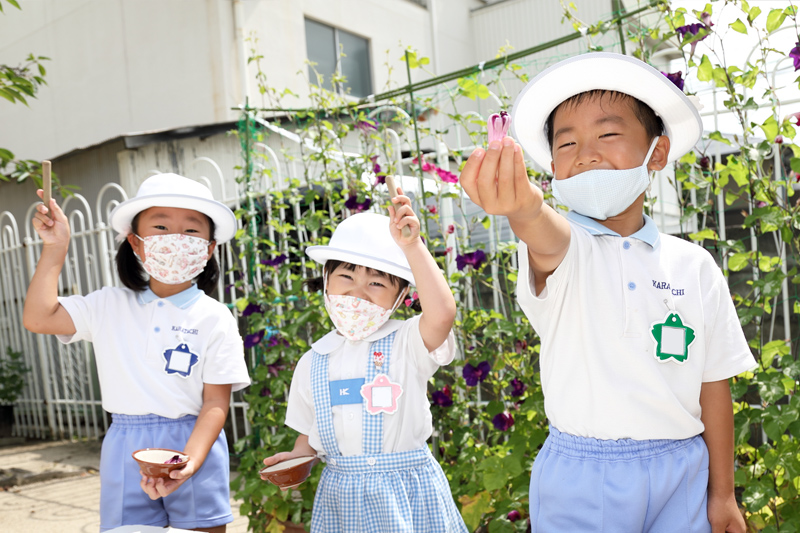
(321, 254)
(604, 71)
(224, 220)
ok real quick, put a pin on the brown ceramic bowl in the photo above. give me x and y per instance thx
(291, 472)
(153, 461)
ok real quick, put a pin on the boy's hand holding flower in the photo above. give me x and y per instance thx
(402, 215)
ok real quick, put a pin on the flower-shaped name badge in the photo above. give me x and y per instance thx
(381, 395)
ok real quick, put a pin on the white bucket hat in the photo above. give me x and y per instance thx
(172, 190)
(605, 71)
(365, 239)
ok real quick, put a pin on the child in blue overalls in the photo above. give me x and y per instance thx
(359, 397)
(168, 355)
(638, 331)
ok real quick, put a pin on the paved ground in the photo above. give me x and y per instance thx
(48, 487)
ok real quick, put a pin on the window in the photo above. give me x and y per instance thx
(324, 43)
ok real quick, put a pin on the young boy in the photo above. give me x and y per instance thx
(639, 334)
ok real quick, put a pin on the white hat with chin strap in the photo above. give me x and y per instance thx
(603, 71)
(365, 239)
(172, 190)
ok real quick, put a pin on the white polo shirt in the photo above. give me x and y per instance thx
(154, 354)
(599, 317)
(411, 365)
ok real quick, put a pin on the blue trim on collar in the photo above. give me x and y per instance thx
(182, 300)
(647, 234)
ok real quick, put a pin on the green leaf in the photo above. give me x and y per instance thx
(494, 475)
(753, 14)
(486, 222)
(707, 233)
(705, 70)
(473, 507)
(738, 261)
(14, 3)
(739, 26)
(717, 136)
(770, 128)
(758, 494)
(770, 386)
(775, 19)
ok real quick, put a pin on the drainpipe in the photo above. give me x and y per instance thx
(434, 41)
(238, 24)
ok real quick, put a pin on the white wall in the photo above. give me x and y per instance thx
(124, 66)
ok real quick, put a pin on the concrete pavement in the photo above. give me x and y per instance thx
(48, 487)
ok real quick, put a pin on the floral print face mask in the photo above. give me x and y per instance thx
(355, 318)
(174, 258)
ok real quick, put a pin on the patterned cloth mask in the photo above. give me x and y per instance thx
(174, 258)
(355, 318)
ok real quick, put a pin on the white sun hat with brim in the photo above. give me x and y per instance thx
(172, 190)
(365, 239)
(604, 71)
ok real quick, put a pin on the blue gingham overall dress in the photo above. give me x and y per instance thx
(403, 492)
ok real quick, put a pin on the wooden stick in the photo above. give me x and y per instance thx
(47, 187)
(406, 231)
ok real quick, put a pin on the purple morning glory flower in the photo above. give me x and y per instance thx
(503, 421)
(442, 398)
(676, 78)
(366, 126)
(254, 339)
(472, 375)
(692, 29)
(513, 516)
(252, 309)
(175, 460)
(275, 261)
(518, 388)
(794, 53)
(497, 126)
(277, 340)
(354, 205)
(446, 176)
(475, 259)
(264, 392)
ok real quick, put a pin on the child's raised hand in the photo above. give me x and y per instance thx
(496, 180)
(401, 215)
(53, 231)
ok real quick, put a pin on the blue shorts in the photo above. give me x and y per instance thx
(582, 484)
(203, 501)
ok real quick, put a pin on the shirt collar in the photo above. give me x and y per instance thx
(182, 300)
(333, 340)
(647, 234)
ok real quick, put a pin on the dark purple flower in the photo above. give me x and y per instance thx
(472, 375)
(275, 261)
(252, 309)
(254, 339)
(475, 259)
(503, 421)
(497, 126)
(513, 516)
(275, 369)
(676, 78)
(380, 179)
(704, 162)
(520, 346)
(794, 53)
(447, 177)
(354, 205)
(265, 392)
(277, 340)
(442, 398)
(706, 18)
(692, 29)
(450, 229)
(518, 388)
(366, 126)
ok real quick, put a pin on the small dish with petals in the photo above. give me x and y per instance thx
(291, 472)
(159, 462)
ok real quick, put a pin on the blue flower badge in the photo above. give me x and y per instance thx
(180, 360)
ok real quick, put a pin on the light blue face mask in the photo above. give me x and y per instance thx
(602, 193)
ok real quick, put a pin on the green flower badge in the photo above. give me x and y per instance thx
(672, 338)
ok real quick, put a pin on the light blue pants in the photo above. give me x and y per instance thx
(203, 501)
(619, 486)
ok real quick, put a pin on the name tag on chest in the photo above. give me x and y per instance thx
(346, 391)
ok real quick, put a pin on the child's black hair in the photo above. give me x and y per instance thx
(132, 273)
(317, 284)
(653, 125)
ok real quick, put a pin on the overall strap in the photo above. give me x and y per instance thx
(322, 403)
(373, 424)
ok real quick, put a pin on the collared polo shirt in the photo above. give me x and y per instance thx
(154, 354)
(604, 373)
(410, 365)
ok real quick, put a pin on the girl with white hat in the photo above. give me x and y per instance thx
(168, 355)
(358, 398)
